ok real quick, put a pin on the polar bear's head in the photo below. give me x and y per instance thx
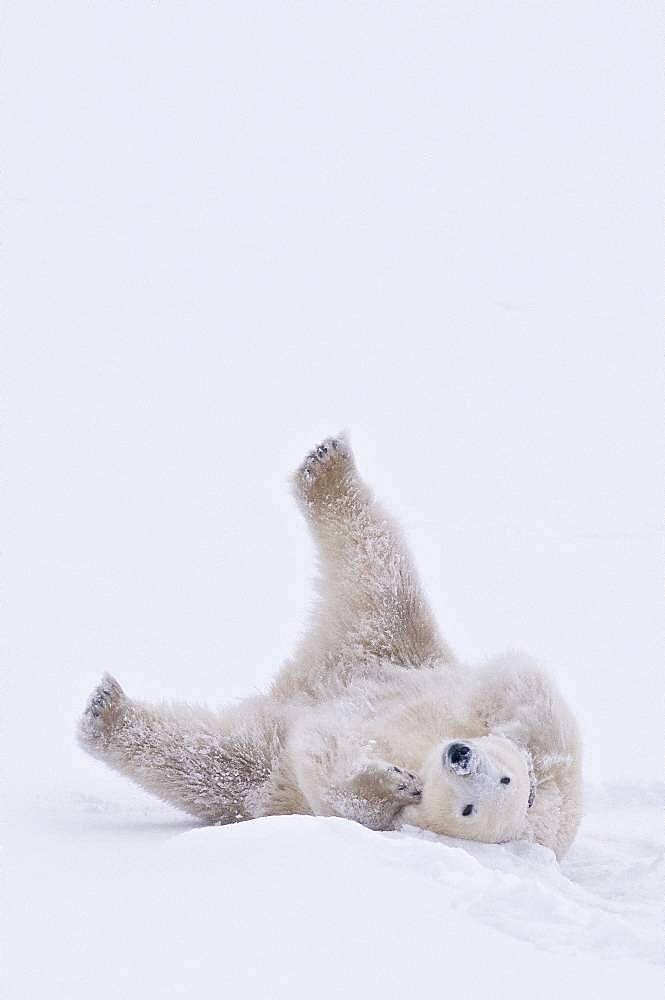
(478, 789)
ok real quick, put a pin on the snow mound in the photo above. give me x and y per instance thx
(300, 906)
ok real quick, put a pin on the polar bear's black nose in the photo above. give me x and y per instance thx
(459, 755)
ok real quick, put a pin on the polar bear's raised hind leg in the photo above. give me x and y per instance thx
(371, 602)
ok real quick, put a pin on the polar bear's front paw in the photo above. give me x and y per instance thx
(404, 786)
(326, 471)
(105, 708)
(389, 782)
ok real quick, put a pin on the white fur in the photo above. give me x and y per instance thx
(357, 724)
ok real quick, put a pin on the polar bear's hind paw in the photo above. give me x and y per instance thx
(324, 454)
(325, 470)
(104, 694)
(104, 707)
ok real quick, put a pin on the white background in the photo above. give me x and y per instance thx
(233, 229)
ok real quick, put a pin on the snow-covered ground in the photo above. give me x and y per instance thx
(115, 897)
(234, 229)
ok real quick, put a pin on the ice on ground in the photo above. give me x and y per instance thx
(130, 900)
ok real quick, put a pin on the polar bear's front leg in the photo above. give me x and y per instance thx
(371, 600)
(337, 777)
(376, 795)
(210, 765)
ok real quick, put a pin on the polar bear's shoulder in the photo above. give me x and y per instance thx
(513, 696)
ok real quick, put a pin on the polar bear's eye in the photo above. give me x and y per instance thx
(467, 810)
(505, 781)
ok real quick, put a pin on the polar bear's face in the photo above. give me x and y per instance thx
(478, 789)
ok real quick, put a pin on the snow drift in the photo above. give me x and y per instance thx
(117, 900)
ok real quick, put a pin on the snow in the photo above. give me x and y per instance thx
(124, 900)
(230, 232)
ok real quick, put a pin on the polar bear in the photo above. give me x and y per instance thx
(374, 719)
